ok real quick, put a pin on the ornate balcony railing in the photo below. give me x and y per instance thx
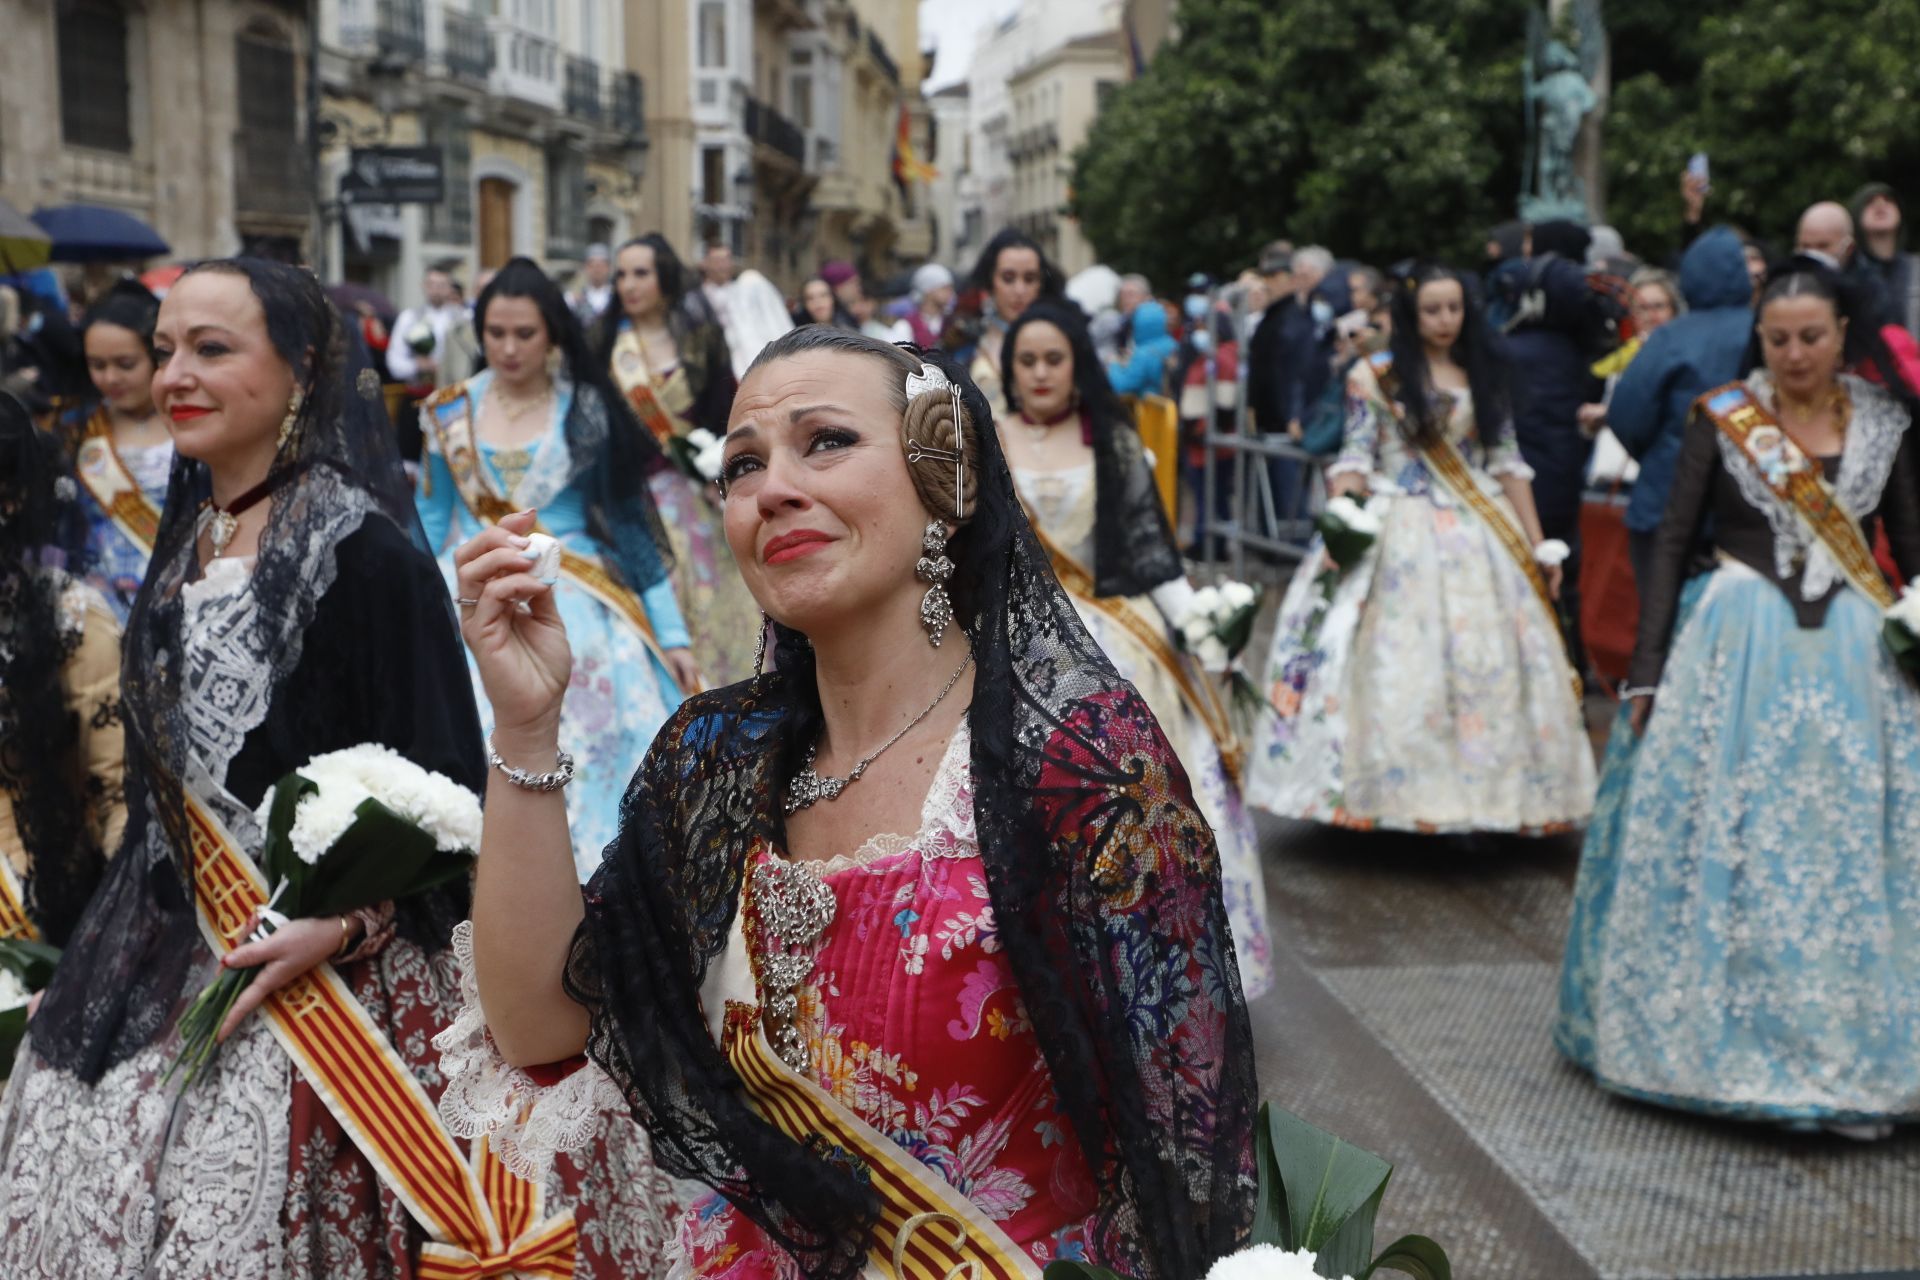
(764, 124)
(469, 49)
(583, 89)
(629, 103)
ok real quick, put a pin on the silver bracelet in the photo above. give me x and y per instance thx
(561, 775)
(1629, 692)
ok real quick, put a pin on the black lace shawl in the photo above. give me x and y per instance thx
(352, 640)
(41, 770)
(1105, 885)
(1133, 547)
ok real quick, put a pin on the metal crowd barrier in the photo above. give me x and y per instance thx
(1270, 512)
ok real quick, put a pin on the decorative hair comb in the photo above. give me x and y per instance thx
(930, 378)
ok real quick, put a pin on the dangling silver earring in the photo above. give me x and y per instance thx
(553, 363)
(936, 607)
(760, 650)
(293, 416)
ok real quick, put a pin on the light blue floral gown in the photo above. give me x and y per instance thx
(116, 564)
(1745, 939)
(620, 693)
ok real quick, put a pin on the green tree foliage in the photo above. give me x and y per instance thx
(1794, 101)
(1380, 130)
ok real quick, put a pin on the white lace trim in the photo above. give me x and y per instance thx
(527, 1123)
(1063, 503)
(946, 818)
(1866, 460)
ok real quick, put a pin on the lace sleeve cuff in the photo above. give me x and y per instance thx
(1350, 467)
(1509, 465)
(528, 1122)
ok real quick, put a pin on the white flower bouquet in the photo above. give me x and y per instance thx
(25, 968)
(1348, 528)
(1215, 629)
(1900, 629)
(420, 339)
(1218, 623)
(698, 454)
(346, 830)
(1314, 1215)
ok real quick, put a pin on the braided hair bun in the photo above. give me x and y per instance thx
(936, 427)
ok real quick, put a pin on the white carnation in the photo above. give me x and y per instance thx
(1206, 601)
(1238, 595)
(347, 779)
(1212, 654)
(1345, 511)
(1265, 1262)
(13, 993)
(1906, 610)
(1196, 629)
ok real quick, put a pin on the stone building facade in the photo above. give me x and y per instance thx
(189, 114)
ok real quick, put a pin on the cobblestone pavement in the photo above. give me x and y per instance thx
(1411, 1013)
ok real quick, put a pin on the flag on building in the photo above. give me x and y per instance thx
(908, 168)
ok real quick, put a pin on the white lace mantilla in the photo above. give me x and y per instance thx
(1866, 460)
(527, 1123)
(946, 818)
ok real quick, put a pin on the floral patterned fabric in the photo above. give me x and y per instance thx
(1062, 503)
(1745, 939)
(1433, 694)
(721, 616)
(619, 694)
(115, 563)
(912, 1021)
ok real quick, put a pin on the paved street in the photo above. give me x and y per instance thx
(1416, 986)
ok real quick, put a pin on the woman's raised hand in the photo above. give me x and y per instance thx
(511, 623)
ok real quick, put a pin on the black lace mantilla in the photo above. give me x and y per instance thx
(1106, 889)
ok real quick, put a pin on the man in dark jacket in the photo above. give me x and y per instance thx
(1552, 341)
(1273, 380)
(1684, 359)
(1882, 252)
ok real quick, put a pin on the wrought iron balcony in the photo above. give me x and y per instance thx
(765, 125)
(878, 49)
(629, 105)
(469, 49)
(583, 89)
(400, 29)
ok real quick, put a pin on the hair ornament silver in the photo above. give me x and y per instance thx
(931, 378)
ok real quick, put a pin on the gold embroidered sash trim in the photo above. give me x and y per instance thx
(1195, 688)
(927, 1229)
(480, 1219)
(452, 412)
(1449, 468)
(14, 920)
(99, 467)
(635, 377)
(1796, 480)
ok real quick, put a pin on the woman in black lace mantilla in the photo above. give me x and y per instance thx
(1026, 1012)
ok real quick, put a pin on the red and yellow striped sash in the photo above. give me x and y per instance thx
(635, 378)
(481, 1220)
(927, 1229)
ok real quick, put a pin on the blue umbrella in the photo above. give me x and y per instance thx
(94, 233)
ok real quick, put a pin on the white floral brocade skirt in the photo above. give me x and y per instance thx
(1433, 694)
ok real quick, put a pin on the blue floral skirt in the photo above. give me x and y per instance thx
(1746, 927)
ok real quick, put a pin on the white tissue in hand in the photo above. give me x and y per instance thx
(545, 551)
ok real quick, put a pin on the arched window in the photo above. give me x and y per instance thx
(94, 109)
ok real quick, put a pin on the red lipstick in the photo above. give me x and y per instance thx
(791, 546)
(182, 412)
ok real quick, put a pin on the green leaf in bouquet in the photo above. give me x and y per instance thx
(30, 962)
(13, 1029)
(1902, 644)
(278, 862)
(1236, 631)
(1328, 1192)
(382, 856)
(1414, 1256)
(1078, 1271)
